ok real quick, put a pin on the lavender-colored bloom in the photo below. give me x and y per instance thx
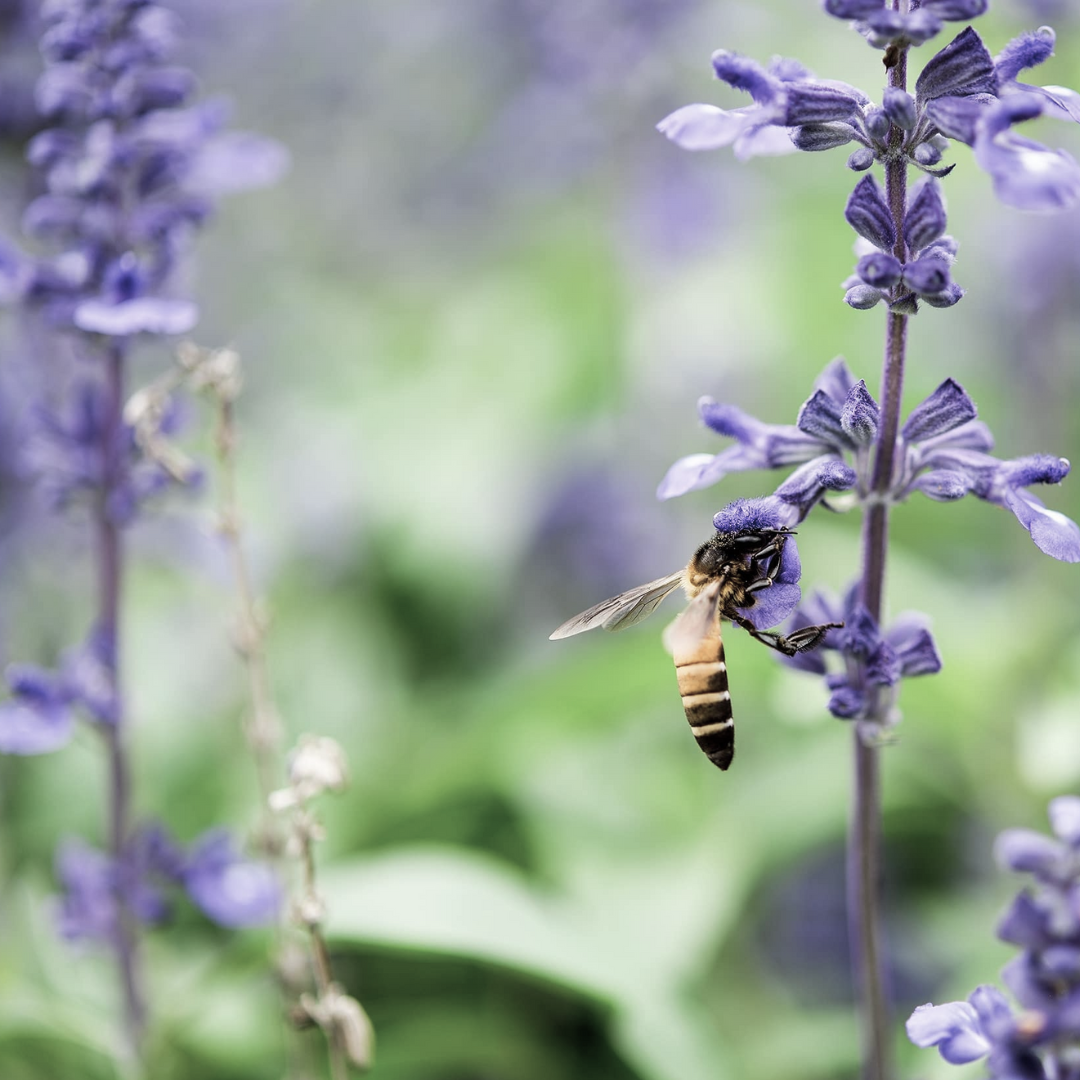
(130, 167)
(233, 891)
(64, 453)
(873, 662)
(943, 453)
(785, 95)
(1040, 1039)
(87, 909)
(37, 718)
(962, 93)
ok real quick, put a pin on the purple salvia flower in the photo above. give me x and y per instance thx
(872, 662)
(962, 93)
(943, 454)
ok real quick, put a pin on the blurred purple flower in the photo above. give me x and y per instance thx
(233, 891)
(1039, 1040)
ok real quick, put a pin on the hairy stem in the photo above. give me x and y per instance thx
(110, 580)
(864, 841)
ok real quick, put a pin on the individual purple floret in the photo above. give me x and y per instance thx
(942, 452)
(233, 891)
(873, 663)
(962, 94)
(1042, 1038)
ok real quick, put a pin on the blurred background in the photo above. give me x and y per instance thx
(476, 318)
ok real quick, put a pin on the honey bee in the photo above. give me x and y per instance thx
(720, 581)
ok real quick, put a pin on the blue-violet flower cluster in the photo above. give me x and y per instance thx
(963, 94)
(1041, 1040)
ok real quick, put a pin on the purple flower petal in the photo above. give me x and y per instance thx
(1025, 174)
(953, 1028)
(87, 910)
(705, 127)
(790, 569)
(233, 891)
(810, 482)
(868, 214)
(747, 75)
(962, 68)
(818, 103)
(763, 140)
(749, 515)
(701, 470)
(820, 418)
(145, 315)
(847, 702)
(859, 416)
(943, 485)
(957, 10)
(1027, 851)
(853, 9)
(836, 380)
(773, 605)
(1053, 533)
(910, 638)
(1026, 51)
(33, 726)
(772, 445)
(1024, 923)
(958, 117)
(946, 408)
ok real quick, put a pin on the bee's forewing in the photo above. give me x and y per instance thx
(695, 623)
(623, 610)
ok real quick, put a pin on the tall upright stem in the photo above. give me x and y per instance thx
(110, 580)
(864, 841)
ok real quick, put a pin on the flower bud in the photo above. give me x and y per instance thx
(879, 269)
(862, 297)
(899, 106)
(927, 155)
(861, 159)
(877, 123)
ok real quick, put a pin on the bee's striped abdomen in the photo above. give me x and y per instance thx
(703, 685)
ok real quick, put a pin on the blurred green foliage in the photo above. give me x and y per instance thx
(534, 873)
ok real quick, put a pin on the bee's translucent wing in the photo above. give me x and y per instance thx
(623, 610)
(696, 623)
